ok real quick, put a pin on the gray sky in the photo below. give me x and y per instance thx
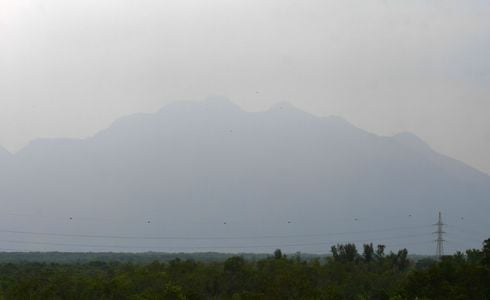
(69, 68)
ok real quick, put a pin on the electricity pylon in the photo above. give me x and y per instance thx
(440, 237)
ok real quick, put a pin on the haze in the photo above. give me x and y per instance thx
(70, 68)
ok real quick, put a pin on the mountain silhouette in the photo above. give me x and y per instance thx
(211, 169)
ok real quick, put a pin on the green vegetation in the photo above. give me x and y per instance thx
(346, 274)
(138, 258)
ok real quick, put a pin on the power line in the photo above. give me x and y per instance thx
(133, 237)
(207, 247)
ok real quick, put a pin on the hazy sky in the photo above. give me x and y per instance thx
(69, 68)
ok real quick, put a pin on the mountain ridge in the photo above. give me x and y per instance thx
(210, 103)
(213, 162)
(222, 104)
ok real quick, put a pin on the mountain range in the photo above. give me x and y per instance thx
(209, 176)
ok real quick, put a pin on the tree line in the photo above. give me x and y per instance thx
(348, 273)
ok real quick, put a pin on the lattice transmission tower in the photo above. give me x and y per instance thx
(440, 236)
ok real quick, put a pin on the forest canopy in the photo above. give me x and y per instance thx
(348, 273)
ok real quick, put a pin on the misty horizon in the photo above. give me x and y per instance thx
(282, 173)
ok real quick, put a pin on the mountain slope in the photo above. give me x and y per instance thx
(4, 154)
(192, 167)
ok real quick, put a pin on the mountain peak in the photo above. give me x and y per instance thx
(221, 102)
(284, 107)
(412, 141)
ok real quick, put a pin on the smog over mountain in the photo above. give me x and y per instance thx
(210, 176)
(339, 121)
(70, 68)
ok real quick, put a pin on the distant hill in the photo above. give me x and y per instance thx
(244, 181)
